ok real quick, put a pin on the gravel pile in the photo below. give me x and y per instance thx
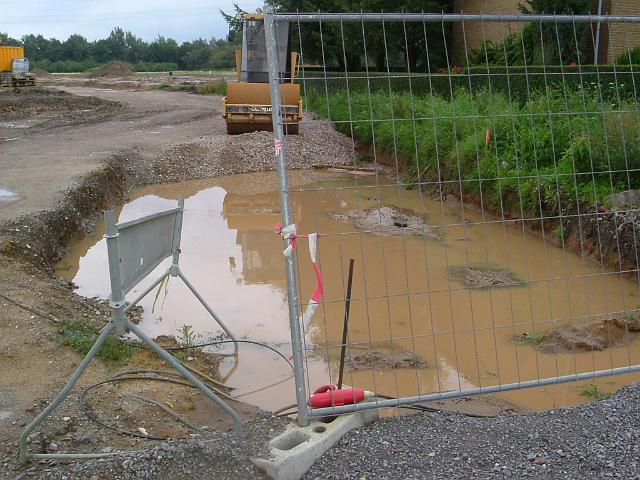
(596, 440)
(112, 69)
(318, 144)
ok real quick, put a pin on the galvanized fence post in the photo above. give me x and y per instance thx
(287, 219)
(116, 300)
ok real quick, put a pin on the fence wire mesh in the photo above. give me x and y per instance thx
(485, 185)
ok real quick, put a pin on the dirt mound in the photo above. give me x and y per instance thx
(44, 108)
(388, 219)
(376, 360)
(481, 277)
(113, 69)
(587, 337)
(40, 73)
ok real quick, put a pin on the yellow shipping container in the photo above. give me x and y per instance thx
(7, 54)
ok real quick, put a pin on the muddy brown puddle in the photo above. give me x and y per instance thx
(404, 296)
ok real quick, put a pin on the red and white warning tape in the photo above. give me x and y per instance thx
(289, 233)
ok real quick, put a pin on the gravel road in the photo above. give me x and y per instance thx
(219, 456)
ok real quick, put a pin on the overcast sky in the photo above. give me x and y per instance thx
(182, 20)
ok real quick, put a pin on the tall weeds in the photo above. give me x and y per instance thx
(547, 153)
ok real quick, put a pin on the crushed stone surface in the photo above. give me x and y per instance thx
(596, 440)
(221, 455)
(318, 143)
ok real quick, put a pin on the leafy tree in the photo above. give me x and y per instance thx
(5, 39)
(164, 50)
(35, 47)
(76, 53)
(340, 45)
(552, 43)
(135, 47)
(76, 47)
(541, 43)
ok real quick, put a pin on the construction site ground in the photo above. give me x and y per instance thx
(66, 154)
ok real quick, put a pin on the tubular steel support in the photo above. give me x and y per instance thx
(63, 394)
(208, 308)
(447, 18)
(505, 387)
(116, 299)
(287, 218)
(121, 324)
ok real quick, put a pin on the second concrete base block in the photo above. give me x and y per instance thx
(294, 451)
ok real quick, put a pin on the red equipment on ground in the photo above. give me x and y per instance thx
(330, 396)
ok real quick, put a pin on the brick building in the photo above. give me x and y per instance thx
(615, 39)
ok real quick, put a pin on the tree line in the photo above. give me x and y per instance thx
(77, 54)
(418, 47)
(350, 45)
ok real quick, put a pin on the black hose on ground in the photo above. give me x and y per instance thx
(86, 409)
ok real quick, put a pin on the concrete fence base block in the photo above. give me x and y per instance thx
(294, 451)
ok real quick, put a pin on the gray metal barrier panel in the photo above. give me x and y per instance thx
(512, 150)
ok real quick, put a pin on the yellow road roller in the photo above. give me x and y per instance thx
(247, 105)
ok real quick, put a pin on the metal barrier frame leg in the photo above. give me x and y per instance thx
(119, 312)
(166, 356)
(208, 309)
(61, 396)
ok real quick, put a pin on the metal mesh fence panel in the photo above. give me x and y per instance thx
(487, 191)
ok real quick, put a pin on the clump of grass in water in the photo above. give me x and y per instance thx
(593, 392)
(82, 334)
(533, 338)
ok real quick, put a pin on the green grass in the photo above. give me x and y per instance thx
(593, 392)
(560, 232)
(91, 83)
(545, 154)
(82, 334)
(215, 87)
(533, 338)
